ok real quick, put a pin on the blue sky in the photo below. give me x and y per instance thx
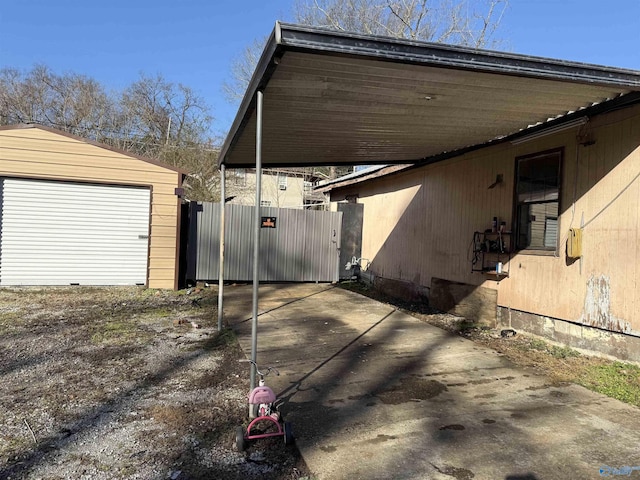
(194, 41)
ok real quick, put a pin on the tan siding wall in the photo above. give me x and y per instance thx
(420, 224)
(36, 153)
(424, 228)
(601, 288)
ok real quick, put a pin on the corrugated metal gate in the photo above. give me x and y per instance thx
(304, 246)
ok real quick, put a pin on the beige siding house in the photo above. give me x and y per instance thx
(123, 212)
(419, 225)
(282, 188)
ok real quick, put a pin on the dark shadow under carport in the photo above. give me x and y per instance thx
(374, 393)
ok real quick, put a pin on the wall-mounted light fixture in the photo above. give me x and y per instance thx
(551, 130)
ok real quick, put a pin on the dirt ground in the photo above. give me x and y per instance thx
(118, 383)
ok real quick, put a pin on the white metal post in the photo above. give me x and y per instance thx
(221, 262)
(256, 238)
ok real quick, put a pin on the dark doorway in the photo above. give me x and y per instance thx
(351, 241)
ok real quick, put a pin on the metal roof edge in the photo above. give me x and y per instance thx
(259, 79)
(365, 175)
(350, 176)
(292, 37)
(452, 56)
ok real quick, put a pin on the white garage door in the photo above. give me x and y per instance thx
(59, 233)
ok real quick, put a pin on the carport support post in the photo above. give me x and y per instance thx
(256, 238)
(221, 262)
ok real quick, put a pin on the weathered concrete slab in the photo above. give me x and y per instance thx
(376, 394)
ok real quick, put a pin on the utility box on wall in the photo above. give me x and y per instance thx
(574, 243)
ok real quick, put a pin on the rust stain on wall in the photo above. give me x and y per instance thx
(597, 306)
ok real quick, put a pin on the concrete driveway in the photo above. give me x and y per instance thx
(373, 393)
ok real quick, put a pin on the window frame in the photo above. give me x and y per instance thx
(543, 251)
(240, 177)
(282, 180)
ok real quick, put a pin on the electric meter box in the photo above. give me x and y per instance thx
(574, 243)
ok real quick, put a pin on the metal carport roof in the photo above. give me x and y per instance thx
(335, 98)
(319, 97)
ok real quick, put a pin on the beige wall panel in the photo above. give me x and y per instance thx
(161, 283)
(438, 207)
(166, 191)
(464, 204)
(420, 224)
(37, 153)
(165, 201)
(72, 151)
(161, 252)
(388, 234)
(162, 263)
(164, 210)
(168, 230)
(164, 198)
(164, 239)
(42, 138)
(44, 148)
(82, 172)
(43, 141)
(164, 223)
(600, 289)
(157, 241)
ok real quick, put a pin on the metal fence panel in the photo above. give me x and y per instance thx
(304, 246)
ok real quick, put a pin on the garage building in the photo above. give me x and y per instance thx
(73, 212)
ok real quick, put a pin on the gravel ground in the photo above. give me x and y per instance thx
(107, 383)
(118, 383)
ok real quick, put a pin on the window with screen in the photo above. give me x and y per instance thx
(538, 200)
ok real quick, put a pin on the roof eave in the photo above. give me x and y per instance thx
(262, 73)
(437, 54)
(287, 37)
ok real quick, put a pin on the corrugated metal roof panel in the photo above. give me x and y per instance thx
(333, 98)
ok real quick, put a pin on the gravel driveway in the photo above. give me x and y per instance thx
(106, 383)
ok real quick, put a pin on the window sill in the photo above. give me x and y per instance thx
(542, 253)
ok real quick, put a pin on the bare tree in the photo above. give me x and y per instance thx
(171, 122)
(461, 22)
(151, 117)
(201, 162)
(154, 113)
(241, 71)
(70, 102)
(470, 23)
